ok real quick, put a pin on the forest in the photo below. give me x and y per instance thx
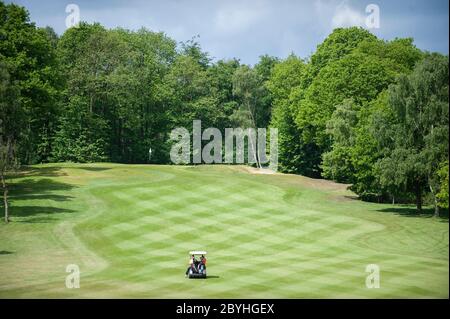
(360, 110)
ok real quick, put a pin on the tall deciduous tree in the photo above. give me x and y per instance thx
(442, 195)
(417, 140)
(31, 61)
(293, 153)
(115, 105)
(11, 123)
(351, 156)
(248, 88)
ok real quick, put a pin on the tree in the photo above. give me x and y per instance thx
(115, 102)
(337, 164)
(8, 162)
(442, 196)
(28, 77)
(330, 78)
(88, 54)
(97, 94)
(416, 141)
(248, 88)
(264, 69)
(372, 66)
(31, 61)
(293, 153)
(338, 44)
(192, 48)
(220, 78)
(139, 89)
(365, 152)
(10, 127)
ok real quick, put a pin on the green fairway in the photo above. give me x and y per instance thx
(129, 228)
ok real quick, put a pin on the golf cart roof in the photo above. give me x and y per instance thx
(197, 252)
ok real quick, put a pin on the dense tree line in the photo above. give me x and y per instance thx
(367, 112)
(360, 110)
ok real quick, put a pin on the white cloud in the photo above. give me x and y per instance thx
(239, 16)
(249, 28)
(345, 16)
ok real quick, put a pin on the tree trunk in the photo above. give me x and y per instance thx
(91, 103)
(436, 209)
(255, 152)
(5, 198)
(419, 197)
(252, 118)
(436, 206)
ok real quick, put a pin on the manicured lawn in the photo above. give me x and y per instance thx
(129, 228)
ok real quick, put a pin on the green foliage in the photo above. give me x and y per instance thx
(115, 98)
(362, 75)
(365, 151)
(27, 53)
(416, 139)
(264, 69)
(293, 153)
(443, 180)
(337, 164)
(192, 49)
(338, 44)
(11, 123)
(336, 72)
(251, 93)
(11, 113)
(353, 112)
(248, 89)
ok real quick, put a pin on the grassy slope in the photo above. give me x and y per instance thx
(129, 228)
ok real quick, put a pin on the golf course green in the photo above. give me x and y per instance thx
(129, 229)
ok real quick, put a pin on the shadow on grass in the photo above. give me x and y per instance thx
(28, 171)
(33, 211)
(44, 188)
(31, 185)
(93, 169)
(212, 277)
(6, 252)
(412, 212)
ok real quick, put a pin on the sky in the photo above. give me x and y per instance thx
(247, 29)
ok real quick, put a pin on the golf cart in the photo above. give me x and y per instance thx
(197, 268)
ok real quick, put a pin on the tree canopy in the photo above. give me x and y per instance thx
(360, 110)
